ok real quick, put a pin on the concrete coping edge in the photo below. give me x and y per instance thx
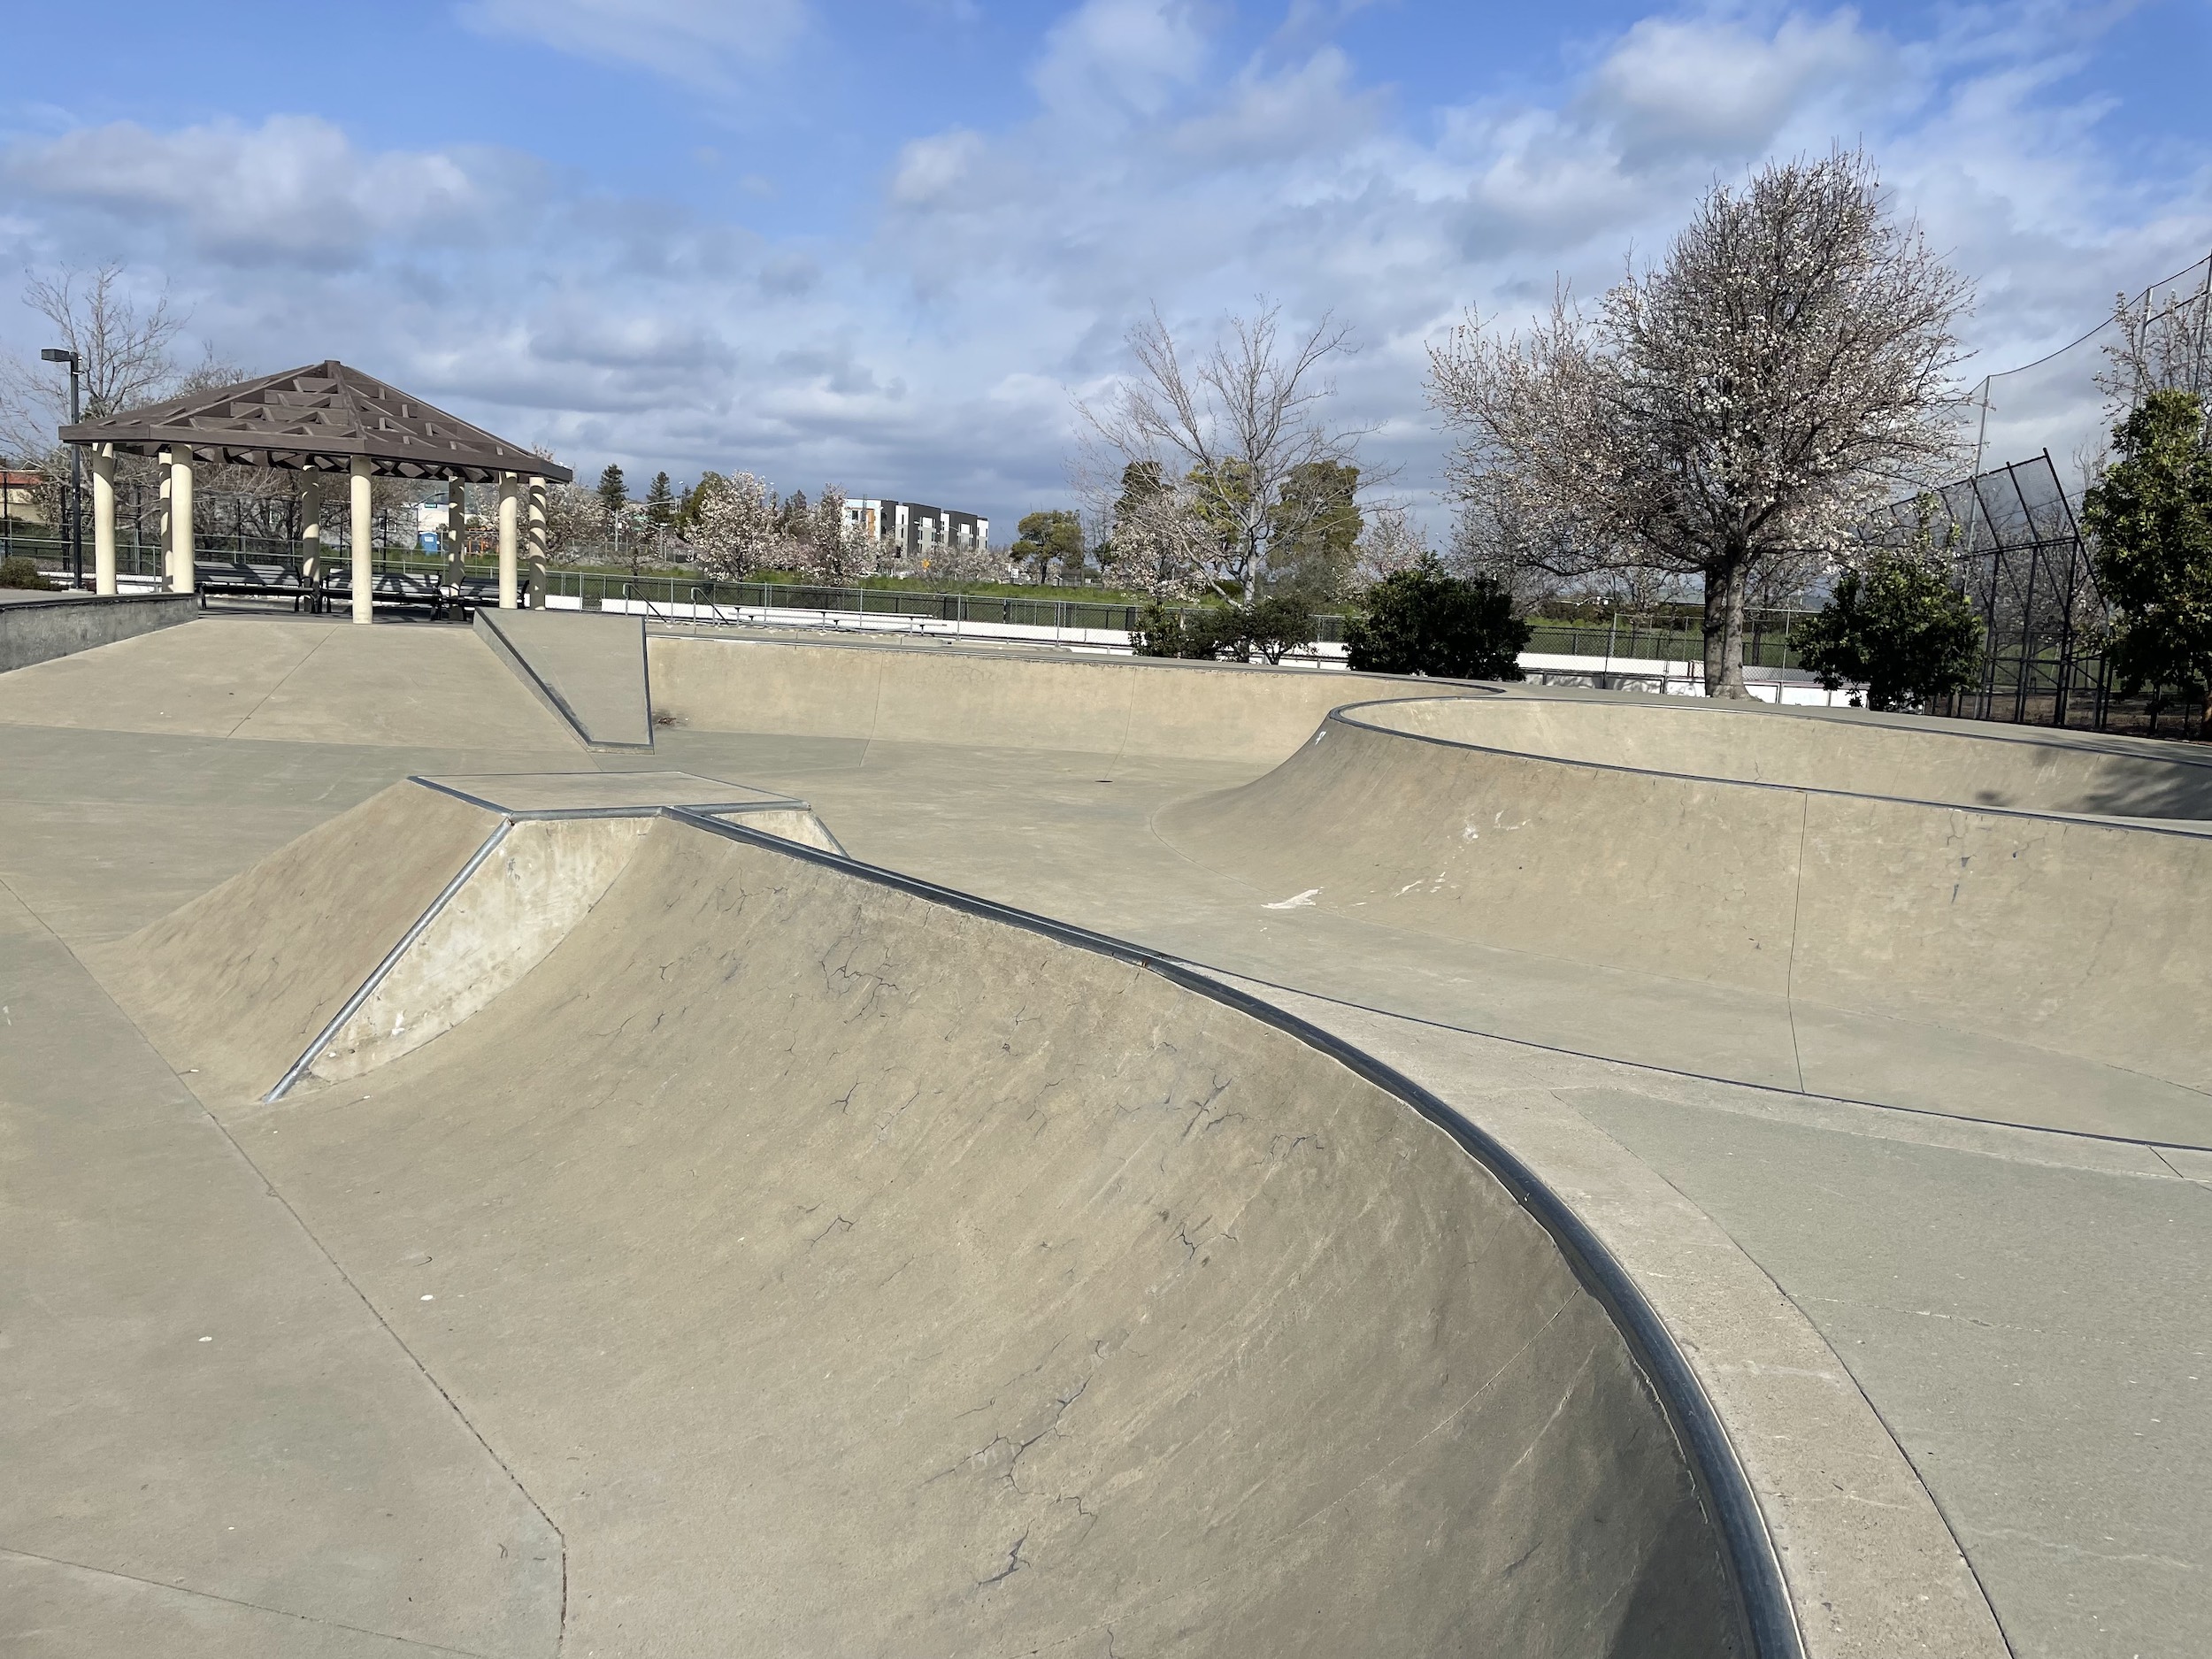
(158, 596)
(2188, 829)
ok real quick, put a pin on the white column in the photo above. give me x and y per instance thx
(182, 577)
(311, 531)
(164, 561)
(103, 519)
(538, 544)
(364, 543)
(457, 524)
(510, 491)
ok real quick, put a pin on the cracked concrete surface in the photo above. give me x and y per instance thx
(962, 1354)
(362, 1435)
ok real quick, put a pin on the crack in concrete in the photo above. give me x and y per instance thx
(232, 1600)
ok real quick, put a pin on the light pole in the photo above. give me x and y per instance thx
(56, 354)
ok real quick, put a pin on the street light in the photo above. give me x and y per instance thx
(56, 354)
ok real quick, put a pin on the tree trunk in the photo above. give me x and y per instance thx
(1725, 591)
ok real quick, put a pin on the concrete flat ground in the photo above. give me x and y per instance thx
(2027, 1311)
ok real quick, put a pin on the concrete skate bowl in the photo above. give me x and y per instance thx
(842, 1265)
(918, 692)
(1908, 915)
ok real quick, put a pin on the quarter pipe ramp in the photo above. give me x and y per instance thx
(843, 1267)
(1998, 945)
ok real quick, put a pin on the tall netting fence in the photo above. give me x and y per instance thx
(2039, 436)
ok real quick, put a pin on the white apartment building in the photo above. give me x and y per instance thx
(907, 530)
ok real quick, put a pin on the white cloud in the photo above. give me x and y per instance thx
(293, 187)
(704, 42)
(935, 169)
(1716, 91)
(1110, 60)
(929, 354)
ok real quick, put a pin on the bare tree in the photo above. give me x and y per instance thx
(1784, 370)
(2160, 344)
(1235, 425)
(122, 351)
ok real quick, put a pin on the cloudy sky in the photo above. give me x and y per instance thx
(886, 241)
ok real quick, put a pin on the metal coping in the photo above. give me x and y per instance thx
(352, 1004)
(1965, 730)
(2190, 829)
(552, 699)
(1768, 1623)
(647, 808)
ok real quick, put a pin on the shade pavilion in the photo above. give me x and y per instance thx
(324, 422)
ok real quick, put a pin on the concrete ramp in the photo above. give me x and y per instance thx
(391, 923)
(588, 667)
(846, 1266)
(921, 691)
(1961, 762)
(2019, 964)
(232, 987)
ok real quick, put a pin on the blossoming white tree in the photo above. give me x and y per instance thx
(1160, 542)
(734, 526)
(831, 550)
(1784, 368)
(1391, 541)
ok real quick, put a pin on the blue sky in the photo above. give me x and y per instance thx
(886, 242)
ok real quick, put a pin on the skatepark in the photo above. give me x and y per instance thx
(565, 1136)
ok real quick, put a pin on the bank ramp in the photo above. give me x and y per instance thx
(1914, 914)
(843, 1266)
(586, 667)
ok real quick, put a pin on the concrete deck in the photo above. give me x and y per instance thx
(2022, 1309)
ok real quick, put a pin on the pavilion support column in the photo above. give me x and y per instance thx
(182, 577)
(538, 560)
(311, 538)
(457, 524)
(103, 519)
(510, 493)
(163, 560)
(364, 537)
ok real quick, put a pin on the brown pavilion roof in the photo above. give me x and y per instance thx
(317, 418)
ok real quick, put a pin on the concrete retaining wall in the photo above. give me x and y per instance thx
(924, 694)
(38, 628)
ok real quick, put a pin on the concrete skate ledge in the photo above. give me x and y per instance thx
(36, 628)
